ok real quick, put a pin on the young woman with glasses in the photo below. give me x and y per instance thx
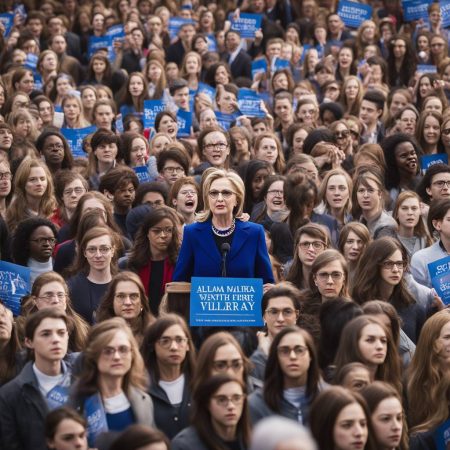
(292, 378)
(169, 355)
(220, 417)
(381, 275)
(110, 392)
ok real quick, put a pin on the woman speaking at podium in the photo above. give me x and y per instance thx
(219, 244)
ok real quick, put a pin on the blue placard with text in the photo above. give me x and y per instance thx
(426, 68)
(142, 174)
(259, 66)
(14, 284)
(218, 302)
(445, 13)
(75, 136)
(430, 160)
(440, 278)
(175, 24)
(99, 42)
(415, 9)
(225, 120)
(151, 110)
(204, 88)
(353, 14)
(184, 122)
(7, 19)
(247, 24)
(249, 103)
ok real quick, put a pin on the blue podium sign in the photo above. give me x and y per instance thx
(219, 302)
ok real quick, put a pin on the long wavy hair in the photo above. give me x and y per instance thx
(99, 337)
(8, 360)
(161, 85)
(349, 351)
(18, 209)
(125, 97)
(324, 186)
(81, 121)
(367, 280)
(274, 376)
(141, 252)
(426, 374)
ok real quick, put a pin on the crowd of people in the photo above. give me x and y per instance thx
(333, 188)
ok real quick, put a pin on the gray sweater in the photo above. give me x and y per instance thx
(421, 259)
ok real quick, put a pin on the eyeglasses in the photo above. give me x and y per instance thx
(389, 265)
(44, 240)
(134, 297)
(446, 131)
(325, 276)
(92, 251)
(287, 313)
(286, 351)
(5, 176)
(159, 231)
(215, 146)
(49, 296)
(225, 194)
(186, 193)
(441, 184)
(316, 245)
(276, 193)
(223, 365)
(166, 341)
(224, 401)
(173, 170)
(123, 351)
(77, 190)
(342, 134)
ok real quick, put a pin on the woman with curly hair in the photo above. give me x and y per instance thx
(126, 298)
(33, 193)
(154, 253)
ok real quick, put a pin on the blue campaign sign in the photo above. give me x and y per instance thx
(119, 124)
(7, 19)
(14, 284)
(415, 9)
(142, 174)
(225, 120)
(184, 122)
(204, 88)
(247, 24)
(98, 42)
(175, 25)
(440, 278)
(31, 61)
(115, 31)
(212, 43)
(441, 435)
(218, 302)
(278, 64)
(75, 136)
(249, 103)
(259, 66)
(353, 14)
(426, 68)
(151, 110)
(95, 415)
(430, 160)
(445, 13)
(38, 84)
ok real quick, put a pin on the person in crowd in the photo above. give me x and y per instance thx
(111, 388)
(94, 267)
(340, 419)
(64, 427)
(9, 345)
(44, 382)
(183, 197)
(220, 416)
(292, 378)
(219, 228)
(126, 298)
(137, 436)
(435, 185)
(353, 376)
(169, 356)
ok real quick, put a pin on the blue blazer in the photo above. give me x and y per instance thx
(200, 257)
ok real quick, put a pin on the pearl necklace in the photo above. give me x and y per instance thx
(224, 233)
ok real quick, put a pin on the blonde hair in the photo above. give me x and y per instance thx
(81, 121)
(324, 186)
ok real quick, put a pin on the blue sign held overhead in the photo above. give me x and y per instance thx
(14, 284)
(249, 103)
(430, 160)
(353, 14)
(75, 136)
(218, 302)
(7, 19)
(184, 122)
(225, 120)
(204, 88)
(175, 24)
(151, 110)
(445, 13)
(426, 68)
(440, 278)
(415, 9)
(247, 24)
(259, 66)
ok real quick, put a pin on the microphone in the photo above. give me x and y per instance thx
(224, 248)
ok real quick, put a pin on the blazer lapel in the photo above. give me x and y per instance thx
(239, 238)
(206, 241)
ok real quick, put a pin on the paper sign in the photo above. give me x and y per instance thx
(225, 120)
(440, 278)
(98, 42)
(218, 302)
(278, 64)
(204, 88)
(249, 103)
(430, 160)
(31, 61)
(247, 24)
(119, 124)
(175, 24)
(259, 66)
(445, 13)
(75, 136)
(415, 9)
(7, 19)
(353, 14)
(14, 284)
(142, 174)
(151, 110)
(426, 68)
(184, 122)
(95, 415)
